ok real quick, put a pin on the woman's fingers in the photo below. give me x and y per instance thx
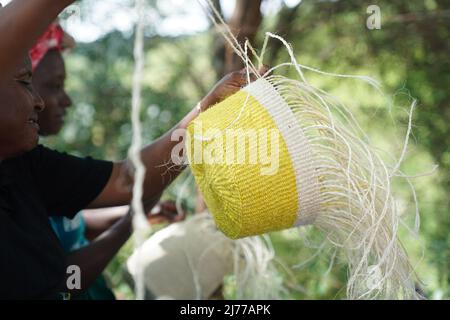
(263, 70)
(253, 77)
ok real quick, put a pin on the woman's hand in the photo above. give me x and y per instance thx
(165, 212)
(227, 86)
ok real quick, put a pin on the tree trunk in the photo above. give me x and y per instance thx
(244, 24)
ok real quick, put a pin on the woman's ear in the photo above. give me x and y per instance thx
(68, 42)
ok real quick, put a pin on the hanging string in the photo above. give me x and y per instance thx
(140, 225)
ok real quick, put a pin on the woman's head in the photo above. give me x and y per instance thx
(19, 108)
(48, 79)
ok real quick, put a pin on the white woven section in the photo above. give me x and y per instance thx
(297, 145)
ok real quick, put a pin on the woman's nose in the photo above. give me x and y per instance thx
(39, 104)
(66, 101)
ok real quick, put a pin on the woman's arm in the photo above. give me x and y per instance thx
(21, 23)
(93, 258)
(160, 172)
(109, 230)
(99, 220)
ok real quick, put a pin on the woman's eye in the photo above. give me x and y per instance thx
(56, 86)
(26, 83)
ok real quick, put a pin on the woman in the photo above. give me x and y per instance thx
(36, 182)
(49, 75)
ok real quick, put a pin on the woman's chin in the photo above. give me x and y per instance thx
(32, 142)
(21, 150)
(46, 131)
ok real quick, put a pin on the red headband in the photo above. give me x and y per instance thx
(51, 39)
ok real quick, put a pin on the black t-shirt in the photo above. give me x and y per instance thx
(34, 186)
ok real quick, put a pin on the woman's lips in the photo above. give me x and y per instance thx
(33, 122)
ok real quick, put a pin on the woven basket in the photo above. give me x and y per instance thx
(252, 196)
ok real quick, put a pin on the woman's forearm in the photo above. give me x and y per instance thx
(100, 220)
(21, 23)
(94, 258)
(160, 171)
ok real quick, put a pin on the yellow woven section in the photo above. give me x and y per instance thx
(242, 200)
